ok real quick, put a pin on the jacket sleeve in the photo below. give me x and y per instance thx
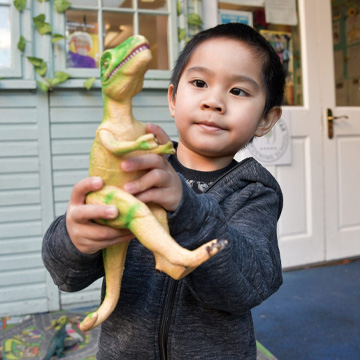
(70, 269)
(248, 269)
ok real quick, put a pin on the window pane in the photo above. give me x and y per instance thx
(84, 2)
(152, 4)
(5, 37)
(284, 38)
(118, 27)
(118, 3)
(82, 44)
(4, 1)
(346, 49)
(154, 28)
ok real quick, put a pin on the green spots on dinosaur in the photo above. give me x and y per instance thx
(144, 145)
(130, 214)
(109, 197)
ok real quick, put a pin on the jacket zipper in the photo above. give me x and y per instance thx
(171, 292)
(166, 316)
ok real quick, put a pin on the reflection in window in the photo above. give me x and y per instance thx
(155, 28)
(82, 41)
(118, 27)
(153, 4)
(118, 3)
(5, 37)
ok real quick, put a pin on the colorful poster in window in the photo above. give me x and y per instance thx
(230, 16)
(82, 44)
(283, 45)
(79, 46)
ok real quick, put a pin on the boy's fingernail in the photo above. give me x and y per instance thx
(130, 188)
(111, 211)
(96, 181)
(125, 165)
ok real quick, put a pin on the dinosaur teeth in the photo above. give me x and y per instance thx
(129, 57)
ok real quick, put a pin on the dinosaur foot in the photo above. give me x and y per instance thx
(178, 268)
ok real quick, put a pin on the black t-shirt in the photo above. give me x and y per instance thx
(199, 181)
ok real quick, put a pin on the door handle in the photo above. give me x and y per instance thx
(330, 122)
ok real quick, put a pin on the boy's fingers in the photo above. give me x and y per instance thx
(143, 162)
(89, 212)
(83, 187)
(161, 136)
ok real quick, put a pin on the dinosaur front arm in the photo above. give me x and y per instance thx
(144, 142)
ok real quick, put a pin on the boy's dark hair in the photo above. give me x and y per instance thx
(273, 76)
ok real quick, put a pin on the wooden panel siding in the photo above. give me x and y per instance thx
(22, 281)
(74, 117)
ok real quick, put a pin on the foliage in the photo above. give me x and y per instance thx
(194, 19)
(21, 43)
(42, 26)
(61, 5)
(39, 65)
(57, 37)
(20, 4)
(88, 83)
(49, 83)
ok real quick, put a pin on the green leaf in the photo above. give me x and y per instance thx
(20, 4)
(61, 5)
(53, 82)
(194, 19)
(42, 0)
(42, 26)
(41, 70)
(181, 34)
(61, 76)
(178, 8)
(39, 65)
(35, 61)
(43, 86)
(57, 37)
(21, 43)
(88, 83)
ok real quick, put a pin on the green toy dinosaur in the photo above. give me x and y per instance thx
(57, 342)
(119, 137)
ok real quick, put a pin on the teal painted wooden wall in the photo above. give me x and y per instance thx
(44, 148)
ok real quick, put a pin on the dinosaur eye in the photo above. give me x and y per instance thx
(106, 64)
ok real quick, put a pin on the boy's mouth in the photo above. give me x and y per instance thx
(209, 126)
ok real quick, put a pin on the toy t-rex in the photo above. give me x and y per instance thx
(57, 342)
(119, 137)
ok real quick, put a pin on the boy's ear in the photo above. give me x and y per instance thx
(267, 123)
(171, 100)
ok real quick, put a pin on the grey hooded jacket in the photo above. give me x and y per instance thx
(207, 314)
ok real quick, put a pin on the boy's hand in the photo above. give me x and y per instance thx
(87, 236)
(161, 184)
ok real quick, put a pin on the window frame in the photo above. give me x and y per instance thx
(76, 73)
(15, 71)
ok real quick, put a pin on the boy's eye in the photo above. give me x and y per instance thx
(199, 83)
(238, 92)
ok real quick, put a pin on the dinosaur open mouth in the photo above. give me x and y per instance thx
(129, 57)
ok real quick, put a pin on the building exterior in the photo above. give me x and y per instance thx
(46, 135)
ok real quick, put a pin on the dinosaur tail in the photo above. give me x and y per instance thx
(114, 260)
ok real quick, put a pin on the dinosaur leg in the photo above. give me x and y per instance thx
(170, 257)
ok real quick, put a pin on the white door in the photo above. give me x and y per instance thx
(321, 216)
(340, 65)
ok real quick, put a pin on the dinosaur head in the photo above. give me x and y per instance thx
(123, 68)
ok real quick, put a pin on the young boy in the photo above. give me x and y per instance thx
(226, 88)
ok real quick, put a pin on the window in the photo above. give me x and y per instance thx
(9, 31)
(92, 26)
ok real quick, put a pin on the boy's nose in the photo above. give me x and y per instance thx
(214, 105)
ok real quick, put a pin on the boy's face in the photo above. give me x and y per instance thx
(220, 100)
